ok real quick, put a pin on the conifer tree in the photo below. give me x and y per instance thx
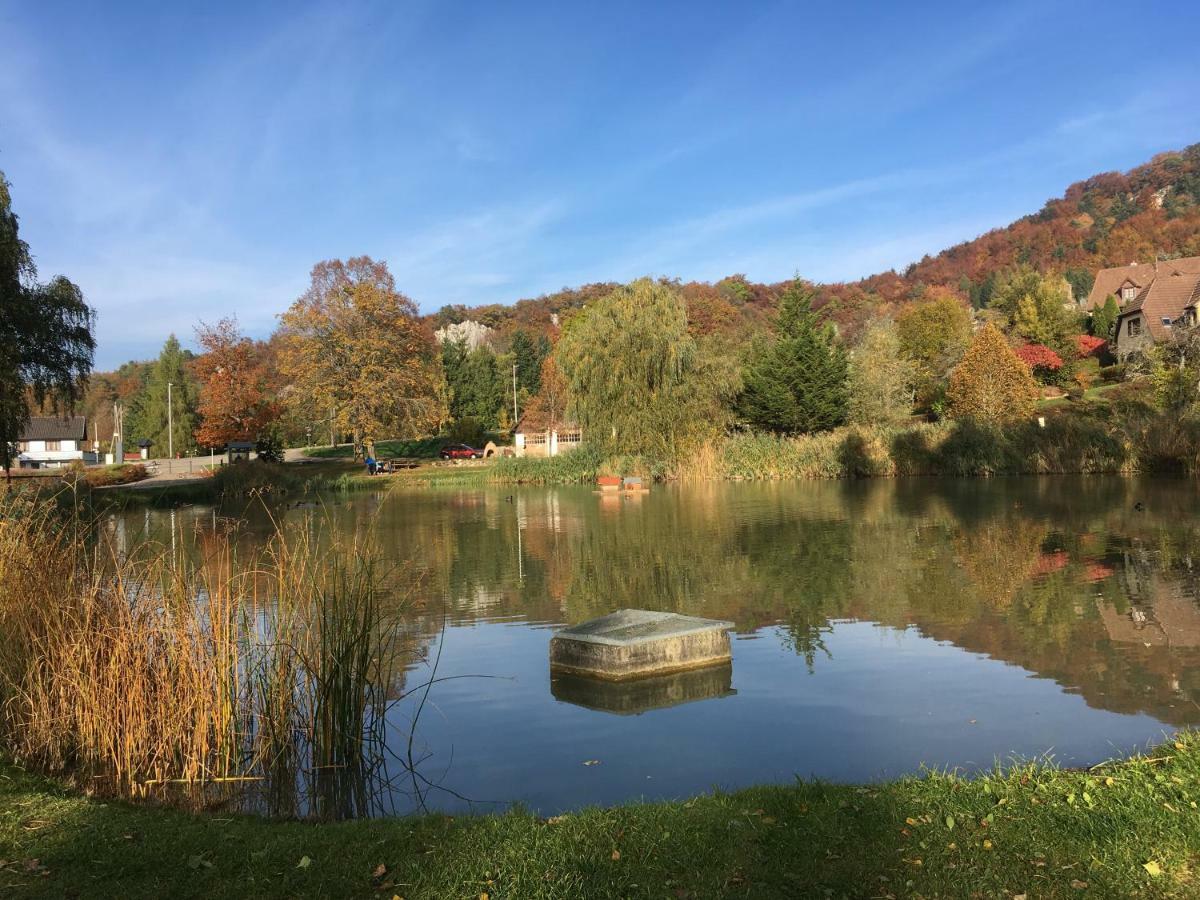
(1104, 319)
(798, 382)
(150, 419)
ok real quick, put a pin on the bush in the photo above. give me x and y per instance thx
(1111, 374)
(119, 474)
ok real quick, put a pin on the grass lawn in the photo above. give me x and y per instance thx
(425, 448)
(1093, 394)
(1125, 829)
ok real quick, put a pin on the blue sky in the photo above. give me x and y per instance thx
(188, 163)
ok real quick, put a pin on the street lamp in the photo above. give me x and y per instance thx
(170, 426)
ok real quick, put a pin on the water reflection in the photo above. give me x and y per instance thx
(639, 695)
(1085, 584)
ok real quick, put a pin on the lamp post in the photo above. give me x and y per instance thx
(170, 426)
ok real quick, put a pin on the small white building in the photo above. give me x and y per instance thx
(550, 442)
(49, 442)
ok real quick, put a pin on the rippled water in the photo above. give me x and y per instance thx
(881, 627)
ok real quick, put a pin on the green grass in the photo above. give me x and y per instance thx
(1097, 394)
(424, 448)
(1129, 828)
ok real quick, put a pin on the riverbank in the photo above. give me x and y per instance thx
(1085, 439)
(1128, 828)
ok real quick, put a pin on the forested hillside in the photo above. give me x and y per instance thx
(1110, 219)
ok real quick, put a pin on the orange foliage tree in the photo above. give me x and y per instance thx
(991, 384)
(235, 404)
(354, 348)
(548, 408)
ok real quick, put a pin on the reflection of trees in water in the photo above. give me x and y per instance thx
(1008, 567)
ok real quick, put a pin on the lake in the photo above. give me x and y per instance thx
(881, 627)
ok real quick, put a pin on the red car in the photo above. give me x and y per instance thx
(460, 451)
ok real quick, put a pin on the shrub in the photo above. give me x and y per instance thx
(1113, 373)
(126, 473)
(1039, 356)
(1088, 346)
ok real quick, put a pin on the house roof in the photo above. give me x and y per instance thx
(1166, 297)
(1141, 275)
(55, 428)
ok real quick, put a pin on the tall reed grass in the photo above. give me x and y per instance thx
(154, 671)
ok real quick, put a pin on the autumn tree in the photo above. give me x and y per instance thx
(881, 378)
(354, 349)
(933, 335)
(640, 382)
(797, 382)
(46, 341)
(1036, 308)
(990, 384)
(234, 402)
(547, 410)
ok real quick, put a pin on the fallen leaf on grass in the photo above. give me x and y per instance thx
(616, 854)
(556, 820)
(304, 863)
(1153, 868)
(380, 871)
(1078, 885)
(950, 822)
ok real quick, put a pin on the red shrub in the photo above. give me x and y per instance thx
(1039, 356)
(1086, 345)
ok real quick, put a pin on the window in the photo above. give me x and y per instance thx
(570, 437)
(53, 445)
(1135, 327)
(22, 446)
(537, 438)
(1166, 320)
(1128, 293)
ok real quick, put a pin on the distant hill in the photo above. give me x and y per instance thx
(1110, 219)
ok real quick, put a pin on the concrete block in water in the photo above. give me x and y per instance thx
(633, 643)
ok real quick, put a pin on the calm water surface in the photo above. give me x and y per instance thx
(881, 627)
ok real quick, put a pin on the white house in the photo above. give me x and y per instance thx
(551, 442)
(49, 442)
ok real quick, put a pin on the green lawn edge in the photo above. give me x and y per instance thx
(1125, 828)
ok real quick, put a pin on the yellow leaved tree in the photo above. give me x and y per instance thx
(991, 384)
(354, 349)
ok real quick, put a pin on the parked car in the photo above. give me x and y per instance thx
(460, 451)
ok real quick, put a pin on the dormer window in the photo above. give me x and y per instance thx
(1128, 293)
(1166, 320)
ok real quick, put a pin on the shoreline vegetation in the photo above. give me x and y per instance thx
(1119, 829)
(1123, 437)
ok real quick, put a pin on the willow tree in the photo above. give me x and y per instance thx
(46, 341)
(356, 352)
(639, 382)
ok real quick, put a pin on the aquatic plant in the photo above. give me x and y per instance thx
(152, 670)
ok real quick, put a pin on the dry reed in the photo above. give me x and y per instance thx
(158, 670)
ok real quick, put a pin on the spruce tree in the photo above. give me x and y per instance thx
(798, 382)
(151, 405)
